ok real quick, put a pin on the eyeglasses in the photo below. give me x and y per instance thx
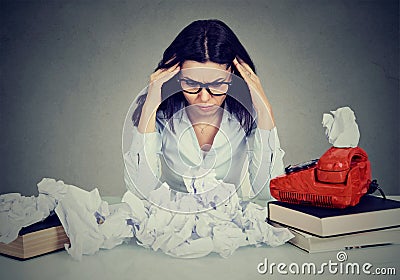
(214, 88)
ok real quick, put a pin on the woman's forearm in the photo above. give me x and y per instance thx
(265, 118)
(147, 122)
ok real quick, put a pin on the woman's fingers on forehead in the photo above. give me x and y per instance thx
(162, 71)
(239, 66)
(239, 60)
(174, 67)
(171, 59)
(248, 68)
(243, 67)
(244, 64)
(170, 69)
(156, 73)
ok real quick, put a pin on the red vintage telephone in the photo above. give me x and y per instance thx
(337, 180)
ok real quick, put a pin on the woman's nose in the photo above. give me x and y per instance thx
(204, 95)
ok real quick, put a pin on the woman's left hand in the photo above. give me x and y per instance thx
(265, 119)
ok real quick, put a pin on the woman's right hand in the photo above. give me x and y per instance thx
(147, 122)
(157, 79)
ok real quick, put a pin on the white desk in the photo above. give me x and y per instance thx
(130, 261)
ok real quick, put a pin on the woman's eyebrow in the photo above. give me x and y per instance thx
(215, 81)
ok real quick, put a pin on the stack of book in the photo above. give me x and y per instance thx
(374, 221)
(37, 239)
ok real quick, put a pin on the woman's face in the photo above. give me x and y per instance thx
(213, 74)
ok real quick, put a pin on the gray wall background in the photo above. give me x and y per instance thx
(70, 70)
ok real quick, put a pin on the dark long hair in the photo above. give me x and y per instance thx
(202, 41)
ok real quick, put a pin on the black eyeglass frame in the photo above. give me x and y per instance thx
(206, 86)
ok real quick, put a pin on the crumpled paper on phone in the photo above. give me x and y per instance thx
(341, 128)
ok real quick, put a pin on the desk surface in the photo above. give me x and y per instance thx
(130, 261)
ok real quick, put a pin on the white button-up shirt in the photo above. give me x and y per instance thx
(164, 156)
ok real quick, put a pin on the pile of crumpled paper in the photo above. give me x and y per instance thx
(197, 225)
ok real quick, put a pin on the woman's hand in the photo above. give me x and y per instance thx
(265, 119)
(157, 79)
(147, 122)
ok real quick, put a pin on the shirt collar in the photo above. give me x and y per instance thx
(183, 117)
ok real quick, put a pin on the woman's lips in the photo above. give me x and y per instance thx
(206, 108)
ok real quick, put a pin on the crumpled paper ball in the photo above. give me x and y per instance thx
(341, 128)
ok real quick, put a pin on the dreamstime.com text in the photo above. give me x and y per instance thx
(332, 267)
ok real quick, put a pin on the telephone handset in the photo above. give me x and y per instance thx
(338, 179)
(300, 166)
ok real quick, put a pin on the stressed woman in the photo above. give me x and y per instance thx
(204, 114)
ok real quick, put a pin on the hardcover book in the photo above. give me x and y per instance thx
(314, 244)
(372, 213)
(37, 239)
